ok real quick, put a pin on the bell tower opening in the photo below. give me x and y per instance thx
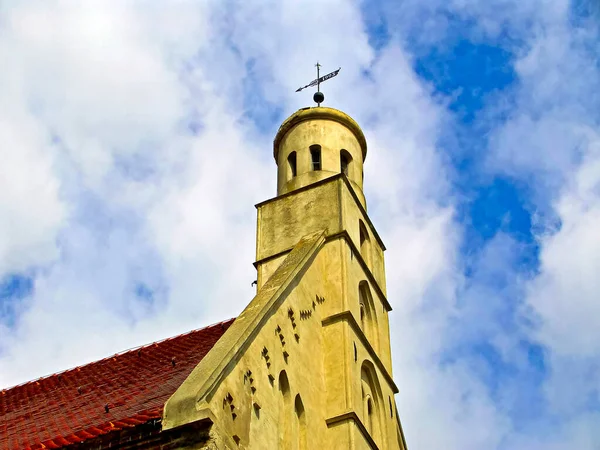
(315, 156)
(345, 161)
(326, 143)
(292, 165)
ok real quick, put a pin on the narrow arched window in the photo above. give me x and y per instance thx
(345, 161)
(292, 164)
(285, 411)
(371, 399)
(370, 414)
(301, 418)
(365, 243)
(368, 317)
(363, 316)
(315, 155)
(284, 385)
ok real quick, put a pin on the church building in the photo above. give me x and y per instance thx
(306, 365)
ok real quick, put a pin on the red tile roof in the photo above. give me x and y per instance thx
(122, 391)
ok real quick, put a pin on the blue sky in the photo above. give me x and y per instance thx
(137, 141)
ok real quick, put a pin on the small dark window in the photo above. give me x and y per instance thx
(365, 244)
(345, 160)
(370, 415)
(315, 154)
(344, 165)
(292, 163)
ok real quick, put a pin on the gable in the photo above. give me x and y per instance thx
(240, 360)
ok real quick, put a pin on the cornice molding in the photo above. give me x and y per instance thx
(351, 416)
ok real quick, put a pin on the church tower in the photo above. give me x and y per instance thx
(307, 365)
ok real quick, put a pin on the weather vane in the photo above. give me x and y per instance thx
(319, 97)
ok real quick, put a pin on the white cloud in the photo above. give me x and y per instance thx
(134, 159)
(111, 91)
(566, 290)
(151, 203)
(550, 140)
(564, 297)
(30, 203)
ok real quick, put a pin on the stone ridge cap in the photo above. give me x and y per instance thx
(323, 113)
(43, 378)
(205, 378)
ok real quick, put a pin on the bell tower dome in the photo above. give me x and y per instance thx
(317, 143)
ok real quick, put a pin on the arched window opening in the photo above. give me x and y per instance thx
(315, 155)
(284, 385)
(370, 414)
(365, 243)
(292, 164)
(371, 400)
(284, 411)
(363, 316)
(368, 317)
(301, 419)
(345, 161)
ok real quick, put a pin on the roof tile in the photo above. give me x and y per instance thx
(70, 407)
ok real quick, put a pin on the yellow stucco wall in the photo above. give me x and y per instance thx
(330, 204)
(320, 317)
(312, 332)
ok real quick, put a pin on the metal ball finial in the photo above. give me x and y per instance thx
(318, 98)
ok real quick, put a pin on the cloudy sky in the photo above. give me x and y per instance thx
(135, 139)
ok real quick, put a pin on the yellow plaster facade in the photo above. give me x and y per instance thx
(307, 364)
